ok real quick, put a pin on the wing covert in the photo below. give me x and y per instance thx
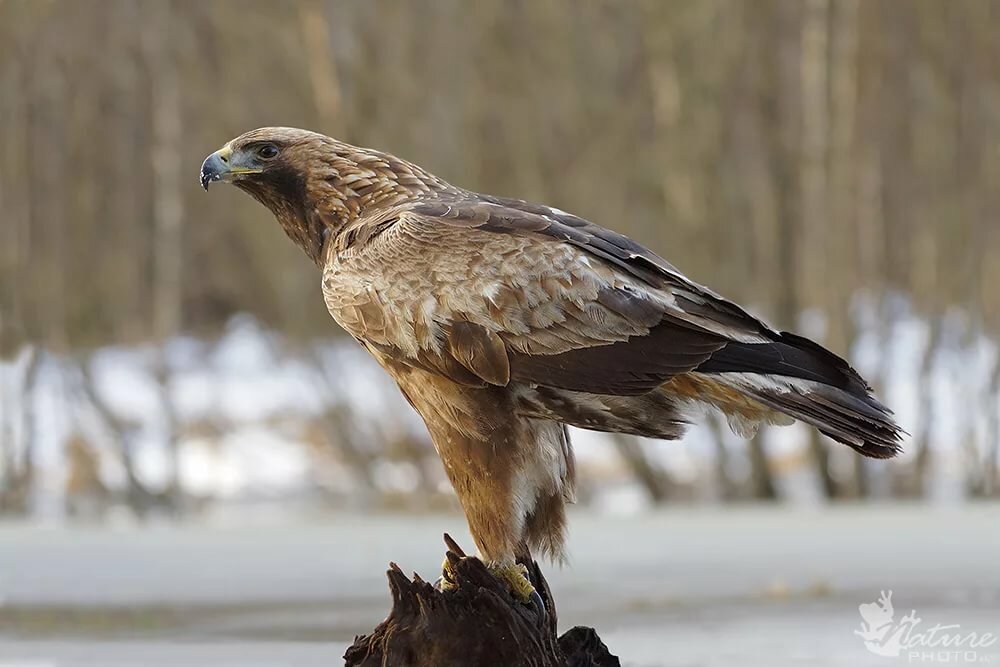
(459, 283)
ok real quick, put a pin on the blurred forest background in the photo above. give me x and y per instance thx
(833, 164)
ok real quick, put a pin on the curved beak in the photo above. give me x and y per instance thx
(215, 167)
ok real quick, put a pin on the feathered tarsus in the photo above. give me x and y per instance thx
(503, 321)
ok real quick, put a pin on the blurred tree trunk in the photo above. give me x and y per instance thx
(124, 201)
(47, 157)
(842, 228)
(784, 111)
(139, 499)
(782, 114)
(725, 487)
(16, 201)
(323, 76)
(340, 432)
(761, 478)
(897, 141)
(970, 39)
(814, 155)
(991, 474)
(29, 430)
(865, 245)
(160, 42)
(923, 428)
(651, 475)
(17, 481)
(667, 100)
(16, 271)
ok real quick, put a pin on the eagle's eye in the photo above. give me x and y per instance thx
(267, 151)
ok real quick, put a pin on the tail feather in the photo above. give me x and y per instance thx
(865, 426)
(800, 378)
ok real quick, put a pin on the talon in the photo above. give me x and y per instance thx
(446, 582)
(516, 576)
(538, 604)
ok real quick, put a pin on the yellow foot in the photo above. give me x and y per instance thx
(516, 576)
(447, 580)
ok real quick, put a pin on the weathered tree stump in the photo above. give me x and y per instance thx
(477, 623)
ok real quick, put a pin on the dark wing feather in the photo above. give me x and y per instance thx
(790, 356)
(631, 367)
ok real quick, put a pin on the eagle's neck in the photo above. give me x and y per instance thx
(360, 182)
(317, 201)
(284, 196)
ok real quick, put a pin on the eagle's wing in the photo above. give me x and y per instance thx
(487, 290)
(509, 293)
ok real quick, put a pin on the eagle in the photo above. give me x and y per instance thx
(504, 321)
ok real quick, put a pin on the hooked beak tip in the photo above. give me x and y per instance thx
(212, 169)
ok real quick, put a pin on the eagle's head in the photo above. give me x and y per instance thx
(314, 185)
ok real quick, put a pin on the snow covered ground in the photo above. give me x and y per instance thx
(705, 586)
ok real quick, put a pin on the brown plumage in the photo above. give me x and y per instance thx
(503, 321)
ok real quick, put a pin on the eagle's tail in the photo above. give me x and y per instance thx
(801, 379)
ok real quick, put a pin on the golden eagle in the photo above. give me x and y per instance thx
(504, 321)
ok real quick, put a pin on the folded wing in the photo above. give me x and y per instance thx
(489, 291)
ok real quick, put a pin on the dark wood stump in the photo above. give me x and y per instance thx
(477, 623)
